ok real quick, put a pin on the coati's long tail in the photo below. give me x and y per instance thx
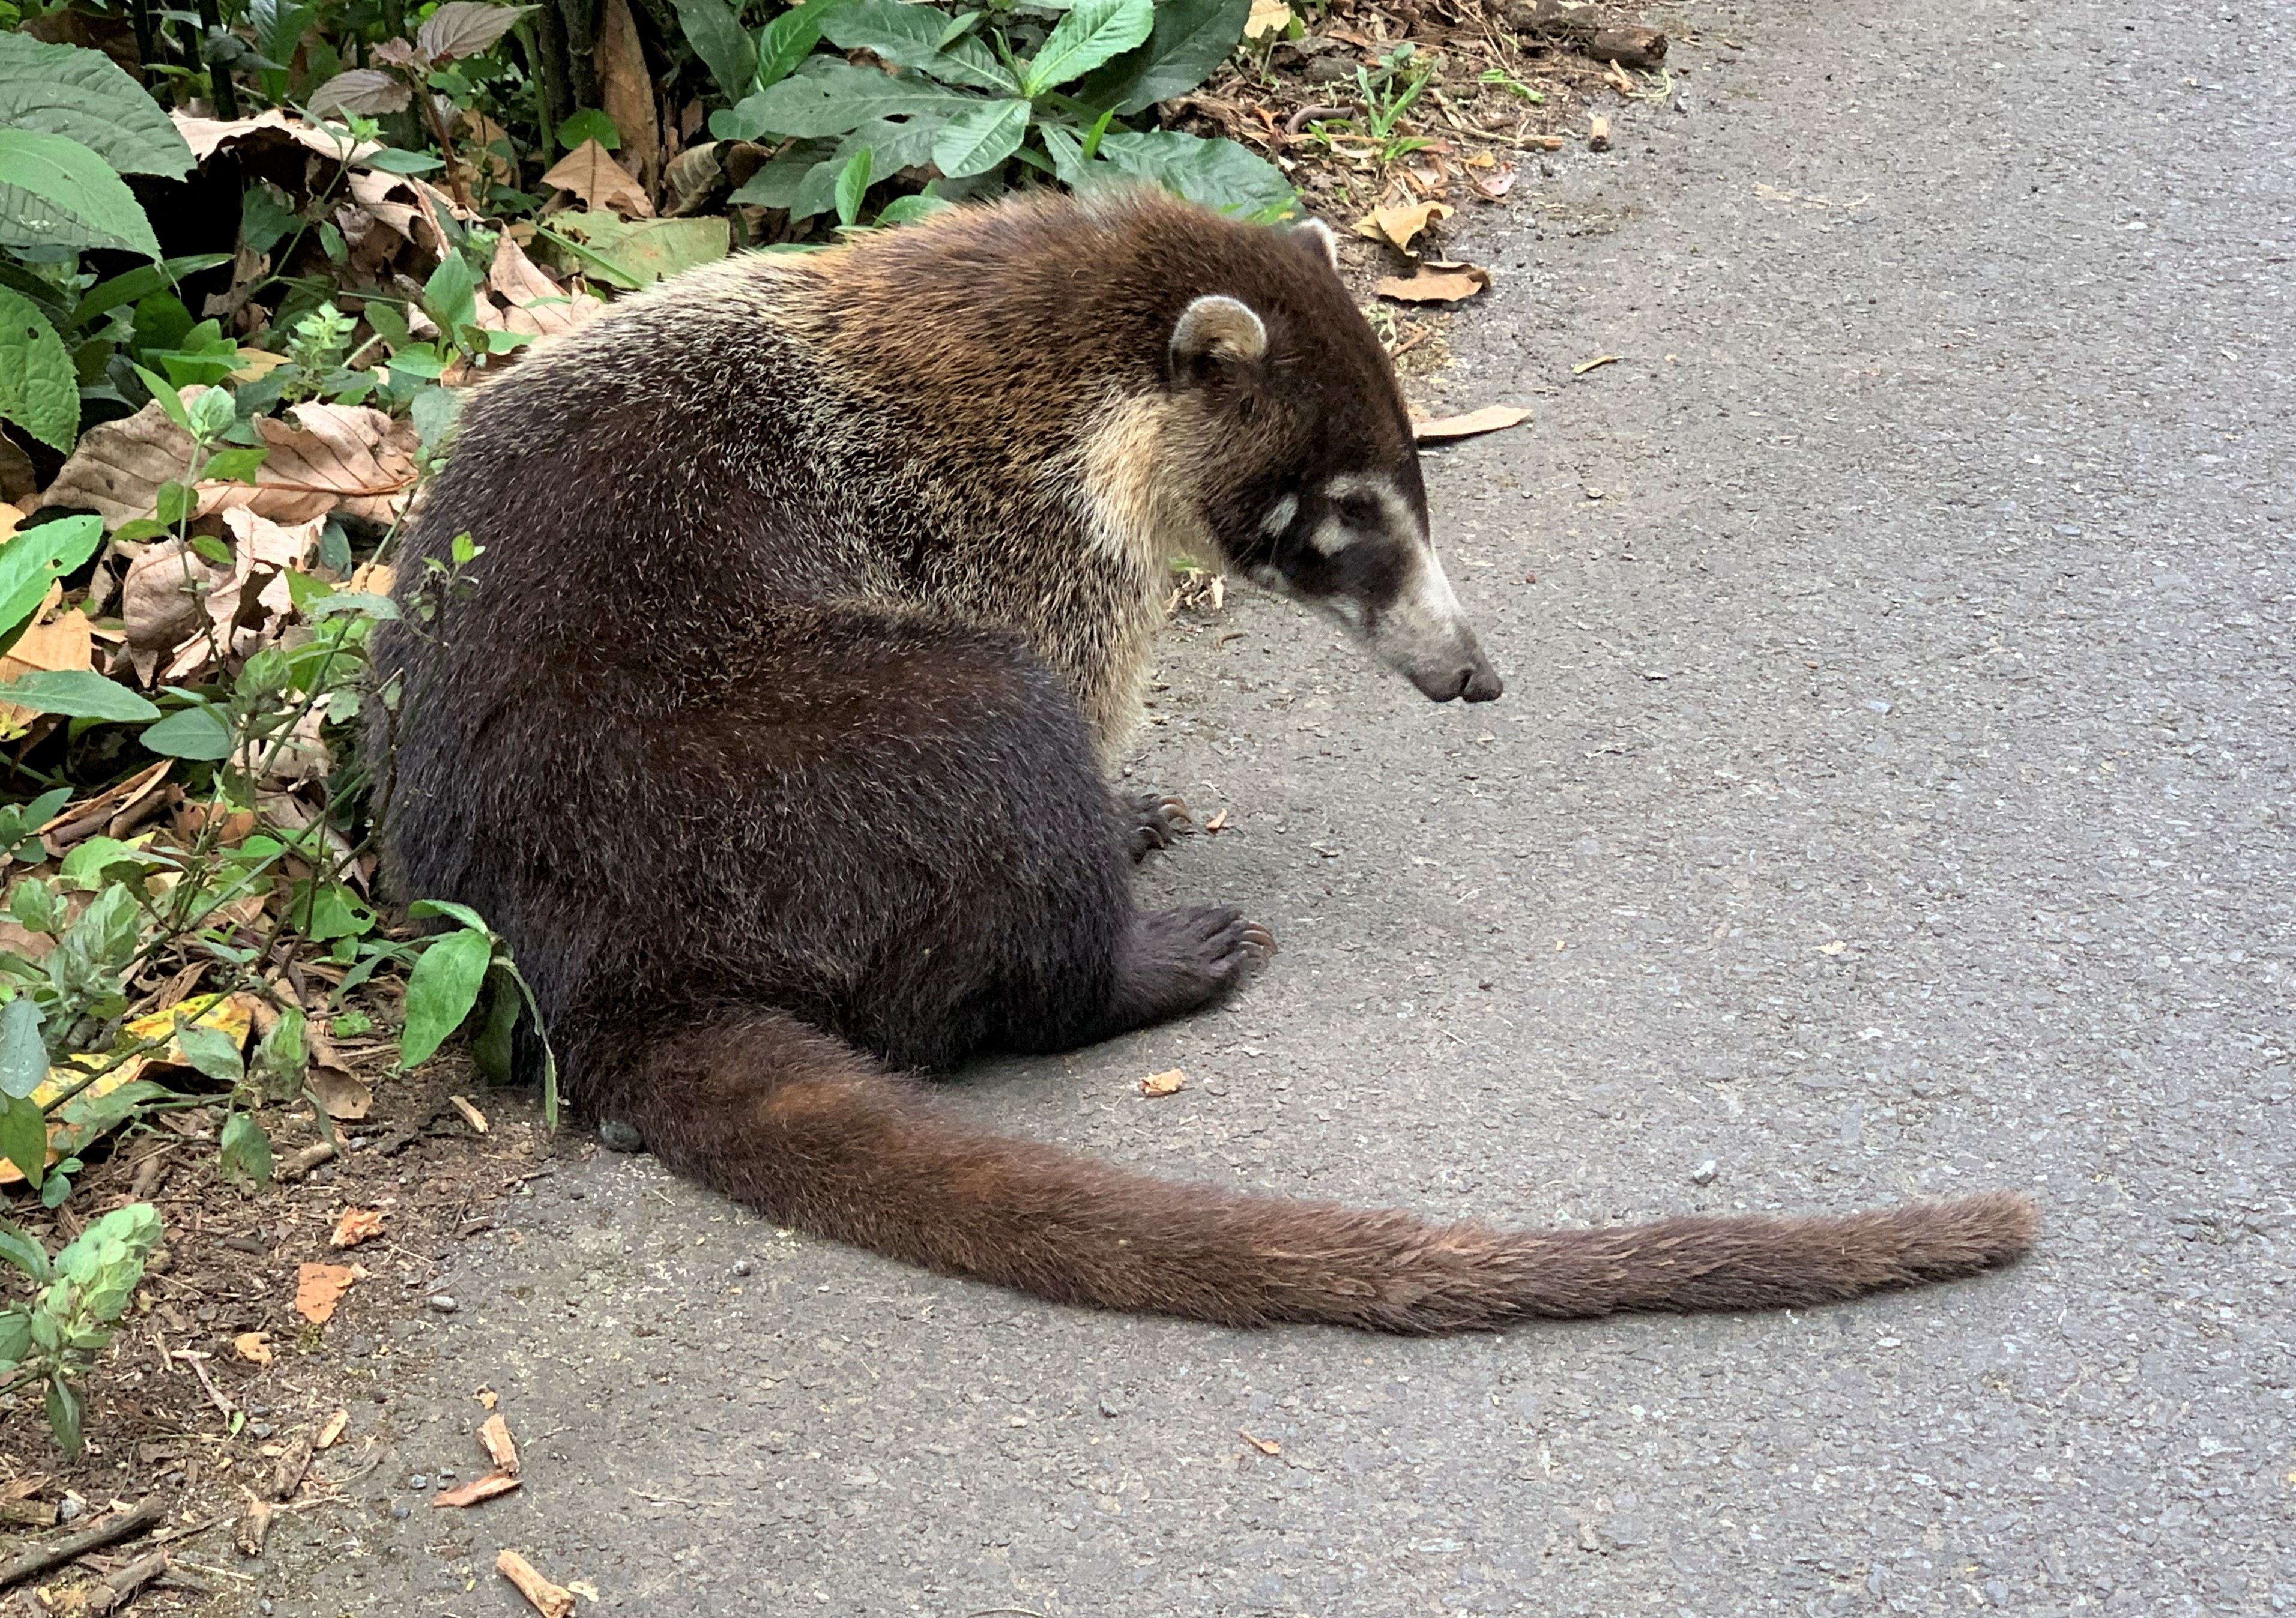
(803, 1129)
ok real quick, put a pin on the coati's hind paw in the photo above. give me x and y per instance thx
(1183, 959)
(1153, 821)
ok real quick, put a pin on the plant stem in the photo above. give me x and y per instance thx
(225, 97)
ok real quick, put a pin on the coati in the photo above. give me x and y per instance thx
(813, 593)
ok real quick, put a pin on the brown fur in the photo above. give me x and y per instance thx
(807, 592)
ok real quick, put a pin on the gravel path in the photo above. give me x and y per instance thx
(1892, 796)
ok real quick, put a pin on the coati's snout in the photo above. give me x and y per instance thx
(1322, 499)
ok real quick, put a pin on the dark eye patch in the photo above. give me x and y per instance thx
(1359, 511)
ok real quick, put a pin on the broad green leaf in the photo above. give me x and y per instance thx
(980, 140)
(776, 183)
(23, 1054)
(892, 145)
(232, 465)
(1218, 174)
(491, 1047)
(64, 1414)
(32, 558)
(211, 410)
(451, 296)
(911, 35)
(589, 125)
(212, 1051)
(83, 96)
(785, 43)
(1190, 40)
(441, 991)
(15, 1336)
(1092, 32)
(124, 1235)
(79, 694)
(909, 209)
(24, 1137)
(632, 253)
(243, 1157)
(853, 185)
(190, 733)
(830, 97)
(84, 867)
(105, 296)
(425, 909)
(20, 1247)
(284, 1053)
(390, 160)
(38, 390)
(56, 192)
(714, 30)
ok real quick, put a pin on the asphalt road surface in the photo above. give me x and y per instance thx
(1892, 796)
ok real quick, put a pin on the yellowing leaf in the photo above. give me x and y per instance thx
(1399, 223)
(1490, 418)
(319, 1287)
(1267, 17)
(354, 1226)
(1434, 283)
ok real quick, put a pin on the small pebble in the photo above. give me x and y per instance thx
(741, 1267)
(258, 1409)
(1705, 1173)
(418, 1483)
(398, 1512)
(446, 1474)
(444, 1304)
(68, 1507)
(260, 1429)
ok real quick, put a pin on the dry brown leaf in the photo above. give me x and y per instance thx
(493, 1437)
(626, 90)
(330, 456)
(1217, 823)
(319, 1287)
(345, 1097)
(206, 137)
(86, 818)
(331, 1433)
(1437, 284)
(1266, 1446)
(477, 1489)
(1490, 418)
(536, 302)
(1166, 1083)
(254, 1347)
(590, 172)
(356, 1225)
(540, 1593)
(19, 481)
(488, 1399)
(1595, 364)
(1267, 17)
(11, 518)
(471, 1113)
(254, 1527)
(1398, 223)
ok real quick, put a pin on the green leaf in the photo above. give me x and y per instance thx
(491, 1048)
(56, 192)
(190, 733)
(852, 185)
(919, 37)
(451, 296)
(1218, 174)
(909, 209)
(715, 32)
(785, 43)
(390, 160)
(38, 390)
(633, 253)
(212, 1051)
(64, 1414)
(463, 29)
(1190, 40)
(244, 1153)
(980, 140)
(441, 991)
(589, 125)
(1092, 32)
(232, 465)
(284, 1053)
(79, 694)
(15, 1336)
(20, 1247)
(23, 1054)
(830, 97)
(425, 909)
(212, 411)
(61, 89)
(84, 867)
(892, 147)
(33, 558)
(24, 1137)
(105, 296)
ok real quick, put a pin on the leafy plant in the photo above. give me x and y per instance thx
(82, 1292)
(978, 108)
(457, 31)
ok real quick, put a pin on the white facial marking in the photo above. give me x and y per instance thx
(1329, 537)
(1279, 517)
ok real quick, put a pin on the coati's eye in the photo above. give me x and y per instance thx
(1359, 511)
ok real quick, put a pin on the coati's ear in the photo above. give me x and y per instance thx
(1216, 337)
(1317, 237)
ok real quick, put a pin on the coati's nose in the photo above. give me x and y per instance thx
(1479, 682)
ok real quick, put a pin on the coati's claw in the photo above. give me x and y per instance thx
(1154, 821)
(1260, 942)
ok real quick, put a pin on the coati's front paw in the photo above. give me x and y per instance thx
(1183, 960)
(1153, 821)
